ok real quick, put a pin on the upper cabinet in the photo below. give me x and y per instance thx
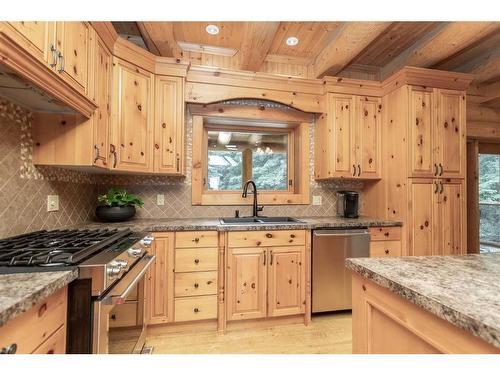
(169, 125)
(38, 37)
(348, 138)
(73, 52)
(436, 133)
(132, 118)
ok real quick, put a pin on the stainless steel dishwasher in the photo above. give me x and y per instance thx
(331, 280)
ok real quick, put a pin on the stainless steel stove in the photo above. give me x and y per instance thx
(111, 265)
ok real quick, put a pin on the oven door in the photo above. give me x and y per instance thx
(125, 335)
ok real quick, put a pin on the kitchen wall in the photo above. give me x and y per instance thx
(177, 192)
(24, 188)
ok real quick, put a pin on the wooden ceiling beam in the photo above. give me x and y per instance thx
(487, 95)
(161, 34)
(147, 39)
(347, 43)
(439, 44)
(485, 68)
(256, 42)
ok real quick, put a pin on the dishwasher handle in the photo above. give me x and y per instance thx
(340, 233)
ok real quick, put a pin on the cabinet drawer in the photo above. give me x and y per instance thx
(189, 260)
(55, 344)
(196, 239)
(195, 308)
(33, 327)
(195, 283)
(385, 249)
(266, 238)
(385, 233)
(124, 315)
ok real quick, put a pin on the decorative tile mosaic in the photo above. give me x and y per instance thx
(24, 188)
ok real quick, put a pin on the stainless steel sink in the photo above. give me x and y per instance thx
(257, 220)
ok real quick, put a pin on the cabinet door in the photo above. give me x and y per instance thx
(286, 281)
(132, 120)
(367, 138)
(420, 134)
(450, 133)
(246, 283)
(169, 125)
(450, 239)
(38, 37)
(421, 213)
(73, 41)
(340, 136)
(160, 281)
(102, 115)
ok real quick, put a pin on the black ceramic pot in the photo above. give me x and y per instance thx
(114, 214)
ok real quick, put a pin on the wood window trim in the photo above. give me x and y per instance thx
(298, 168)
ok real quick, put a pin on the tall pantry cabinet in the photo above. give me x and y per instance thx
(423, 185)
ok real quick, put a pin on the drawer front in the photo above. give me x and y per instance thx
(195, 284)
(195, 308)
(385, 233)
(33, 327)
(55, 344)
(196, 239)
(189, 260)
(124, 315)
(267, 238)
(385, 249)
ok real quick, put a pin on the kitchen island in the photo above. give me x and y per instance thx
(426, 304)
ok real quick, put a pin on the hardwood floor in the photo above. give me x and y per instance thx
(327, 334)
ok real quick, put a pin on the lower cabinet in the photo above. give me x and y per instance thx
(265, 282)
(385, 242)
(40, 330)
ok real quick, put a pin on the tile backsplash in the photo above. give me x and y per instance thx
(24, 188)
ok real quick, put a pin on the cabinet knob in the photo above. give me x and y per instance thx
(387, 251)
(196, 261)
(196, 240)
(196, 285)
(157, 146)
(42, 310)
(269, 235)
(196, 310)
(163, 125)
(11, 349)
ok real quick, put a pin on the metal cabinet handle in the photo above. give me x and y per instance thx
(271, 262)
(442, 187)
(436, 170)
(11, 349)
(354, 170)
(442, 169)
(96, 154)
(112, 150)
(61, 57)
(54, 55)
(437, 187)
(264, 263)
(359, 170)
(177, 164)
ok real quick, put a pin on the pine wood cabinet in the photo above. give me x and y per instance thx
(38, 37)
(169, 125)
(436, 133)
(160, 280)
(131, 135)
(348, 139)
(437, 220)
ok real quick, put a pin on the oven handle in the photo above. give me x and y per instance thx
(111, 299)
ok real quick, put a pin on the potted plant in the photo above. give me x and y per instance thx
(117, 205)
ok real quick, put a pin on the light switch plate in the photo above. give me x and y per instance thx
(317, 200)
(52, 203)
(160, 199)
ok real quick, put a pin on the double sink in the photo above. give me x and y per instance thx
(258, 220)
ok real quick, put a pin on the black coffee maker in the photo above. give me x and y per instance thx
(347, 204)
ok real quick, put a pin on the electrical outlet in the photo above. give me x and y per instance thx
(317, 200)
(52, 203)
(160, 199)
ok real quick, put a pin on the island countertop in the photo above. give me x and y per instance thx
(463, 290)
(20, 291)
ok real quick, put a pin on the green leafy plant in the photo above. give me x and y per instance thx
(119, 198)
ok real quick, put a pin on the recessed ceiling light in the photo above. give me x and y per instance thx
(212, 29)
(292, 41)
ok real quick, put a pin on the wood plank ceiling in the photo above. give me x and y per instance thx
(365, 50)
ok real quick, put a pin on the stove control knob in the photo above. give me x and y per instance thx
(113, 271)
(147, 241)
(134, 252)
(121, 263)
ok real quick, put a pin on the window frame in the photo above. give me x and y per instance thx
(298, 162)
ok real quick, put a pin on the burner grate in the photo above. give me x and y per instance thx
(55, 248)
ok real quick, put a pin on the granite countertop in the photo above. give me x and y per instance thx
(20, 291)
(168, 225)
(464, 290)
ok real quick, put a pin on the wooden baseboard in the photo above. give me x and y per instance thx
(264, 322)
(198, 326)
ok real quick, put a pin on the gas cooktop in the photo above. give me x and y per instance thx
(56, 248)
